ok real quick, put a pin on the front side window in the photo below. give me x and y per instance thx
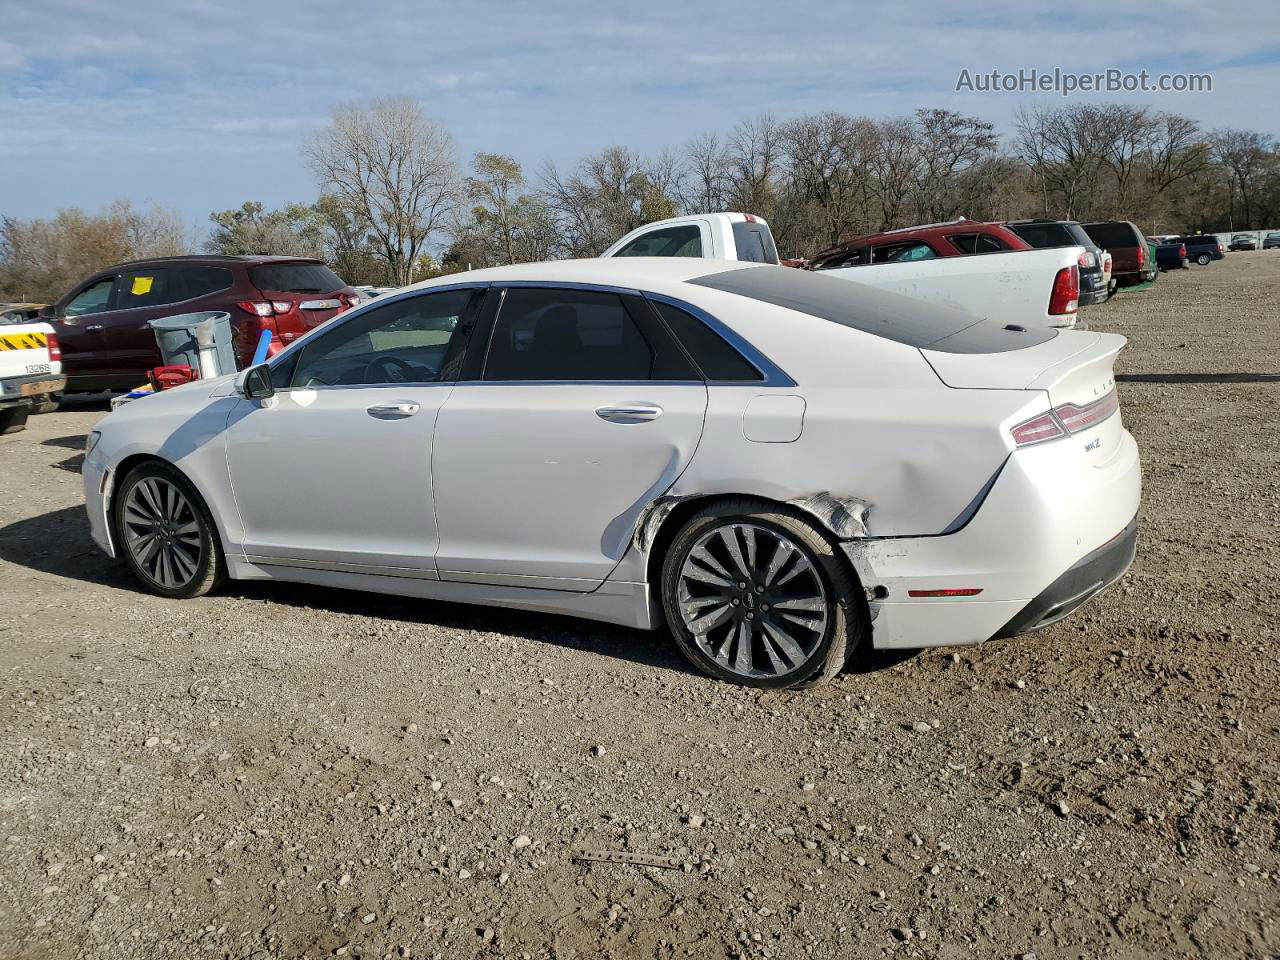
(94, 298)
(415, 340)
(685, 241)
(902, 252)
(550, 334)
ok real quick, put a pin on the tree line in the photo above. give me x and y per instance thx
(395, 205)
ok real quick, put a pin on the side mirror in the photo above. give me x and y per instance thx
(255, 383)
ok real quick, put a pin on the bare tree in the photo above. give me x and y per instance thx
(1248, 158)
(953, 150)
(396, 168)
(755, 159)
(707, 164)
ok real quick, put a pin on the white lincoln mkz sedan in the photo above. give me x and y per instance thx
(777, 465)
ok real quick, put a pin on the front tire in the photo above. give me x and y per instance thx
(756, 594)
(166, 533)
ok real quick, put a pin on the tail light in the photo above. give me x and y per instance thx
(1086, 259)
(55, 348)
(1142, 256)
(266, 308)
(1182, 251)
(1066, 291)
(1064, 420)
(350, 299)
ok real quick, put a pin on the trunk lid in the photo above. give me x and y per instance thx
(315, 293)
(1074, 367)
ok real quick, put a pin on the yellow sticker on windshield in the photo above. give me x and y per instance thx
(141, 285)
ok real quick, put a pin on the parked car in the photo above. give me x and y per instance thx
(956, 238)
(1204, 248)
(30, 372)
(103, 321)
(779, 465)
(1243, 241)
(1043, 233)
(1170, 256)
(1131, 261)
(20, 312)
(1271, 241)
(717, 236)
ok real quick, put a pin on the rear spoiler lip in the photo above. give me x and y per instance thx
(1092, 346)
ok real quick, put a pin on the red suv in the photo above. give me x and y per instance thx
(959, 238)
(102, 322)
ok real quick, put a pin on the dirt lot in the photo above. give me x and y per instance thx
(278, 771)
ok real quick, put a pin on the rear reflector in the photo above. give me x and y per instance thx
(1065, 297)
(1064, 420)
(963, 592)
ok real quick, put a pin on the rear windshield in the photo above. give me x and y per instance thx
(1109, 236)
(878, 312)
(295, 278)
(754, 243)
(1041, 235)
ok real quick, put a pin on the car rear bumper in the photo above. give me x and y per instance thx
(15, 391)
(1028, 549)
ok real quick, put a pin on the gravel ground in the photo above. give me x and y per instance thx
(278, 771)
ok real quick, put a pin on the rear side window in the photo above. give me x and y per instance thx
(754, 243)
(145, 288)
(853, 257)
(683, 241)
(1042, 235)
(711, 352)
(550, 334)
(1110, 236)
(295, 278)
(192, 282)
(976, 243)
(902, 252)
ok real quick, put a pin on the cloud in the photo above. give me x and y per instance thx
(202, 104)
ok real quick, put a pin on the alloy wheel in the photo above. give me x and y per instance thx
(753, 600)
(162, 532)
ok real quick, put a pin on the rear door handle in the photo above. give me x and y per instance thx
(392, 411)
(93, 327)
(630, 413)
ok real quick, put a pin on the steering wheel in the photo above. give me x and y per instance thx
(383, 369)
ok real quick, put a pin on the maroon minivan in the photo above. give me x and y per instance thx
(102, 322)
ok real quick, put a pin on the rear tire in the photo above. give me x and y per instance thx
(756, 594)
(166, 533)
(46, 404)
(1203, 259)
(13, 419)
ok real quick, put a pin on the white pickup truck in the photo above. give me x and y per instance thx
(1027, 288)
(30, 372)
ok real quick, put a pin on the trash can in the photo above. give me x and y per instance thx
(199, 340)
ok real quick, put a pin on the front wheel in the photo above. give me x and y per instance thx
(756, 594)
(166, 533)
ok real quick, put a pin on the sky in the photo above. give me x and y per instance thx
(200, 105)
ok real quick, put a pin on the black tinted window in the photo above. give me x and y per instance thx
(1111, 236)
(295, 278)
(192, 282)
(1041, 235)
(543, 334)
(976, 243)
(685, 241)
(145, 288)
(405, 341)
(714, 357)
(835, 259)
(888, 315)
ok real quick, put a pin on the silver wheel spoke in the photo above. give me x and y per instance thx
(742, 661)
(729, 537)
(710, 620)
(162, 532)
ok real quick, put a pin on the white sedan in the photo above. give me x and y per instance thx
(777, 465)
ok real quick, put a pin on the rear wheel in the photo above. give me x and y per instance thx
(13, 419)
(48, 403)
(166, 533)
(756, 594)
(1203, 259)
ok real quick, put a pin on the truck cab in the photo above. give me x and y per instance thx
(710, 236)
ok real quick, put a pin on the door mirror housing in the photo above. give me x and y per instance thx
(255, 383)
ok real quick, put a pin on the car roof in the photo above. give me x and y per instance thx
(929, 230)
(203, 259)
(642, 273)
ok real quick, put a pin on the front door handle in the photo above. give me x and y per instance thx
(392, 411)
(630, 413)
